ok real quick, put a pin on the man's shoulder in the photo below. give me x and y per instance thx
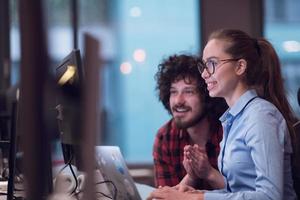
(167, 129)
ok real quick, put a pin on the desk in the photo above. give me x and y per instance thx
(144, 190)
(3, 189)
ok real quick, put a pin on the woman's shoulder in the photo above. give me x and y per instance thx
(261, 112)
(261, 107)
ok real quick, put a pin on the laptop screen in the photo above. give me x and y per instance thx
(114, 170)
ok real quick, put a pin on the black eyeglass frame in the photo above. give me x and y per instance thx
(202, 66)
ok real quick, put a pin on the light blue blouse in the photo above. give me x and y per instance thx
(255, 152)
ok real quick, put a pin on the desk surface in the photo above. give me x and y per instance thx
(144, 190)
(3, 190)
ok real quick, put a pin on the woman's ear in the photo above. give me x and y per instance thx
(241, 67)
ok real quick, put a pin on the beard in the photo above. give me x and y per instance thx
(182, 124)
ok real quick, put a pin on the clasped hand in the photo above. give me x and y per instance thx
(196, 162)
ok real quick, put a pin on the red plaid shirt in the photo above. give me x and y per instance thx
(168, 154)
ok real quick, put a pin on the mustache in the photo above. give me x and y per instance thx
(175, 107)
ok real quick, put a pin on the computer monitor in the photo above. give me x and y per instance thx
(298, 96)
(69, 78)
(9, 145)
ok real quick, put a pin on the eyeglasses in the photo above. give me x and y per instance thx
(211, 64)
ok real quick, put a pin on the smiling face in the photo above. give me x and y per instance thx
(226, 81)
(185, 103)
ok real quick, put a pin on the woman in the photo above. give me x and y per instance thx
(254, 161)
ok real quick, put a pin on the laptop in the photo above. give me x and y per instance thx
(114, 170)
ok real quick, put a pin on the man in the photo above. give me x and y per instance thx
(194, 120)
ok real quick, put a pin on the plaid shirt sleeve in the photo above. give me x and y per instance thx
(167, 158)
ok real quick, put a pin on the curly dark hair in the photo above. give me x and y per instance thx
(178, 67)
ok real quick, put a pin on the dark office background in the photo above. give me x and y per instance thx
(135, 36)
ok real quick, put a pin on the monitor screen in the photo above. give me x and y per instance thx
(69, 78)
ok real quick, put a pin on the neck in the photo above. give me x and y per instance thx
(235, 94)
(200, 132)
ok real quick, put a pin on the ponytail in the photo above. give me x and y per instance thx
(271, 82)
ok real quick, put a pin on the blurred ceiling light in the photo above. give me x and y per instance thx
(125, 68)
(139, 55)
(291, 46)
(135, 11)
(18, 94)
(68, 75)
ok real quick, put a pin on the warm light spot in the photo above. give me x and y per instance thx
(18, 94)
(125, 68)
(135, 11)
(291, 46)
(69, 73)
(139, 55)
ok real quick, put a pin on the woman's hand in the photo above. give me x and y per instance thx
(197, 165)
(196, 162)
(169, 193)
(187, 162)
(181, 187)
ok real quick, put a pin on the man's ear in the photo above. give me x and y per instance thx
(241, 67)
